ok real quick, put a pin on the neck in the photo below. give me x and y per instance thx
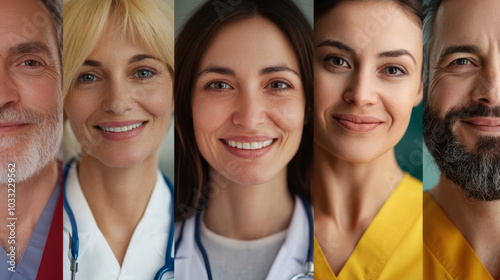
(120, 194)
(478, 221)
(250, 212)
(352, 193)
(117, 197)
(31, 197)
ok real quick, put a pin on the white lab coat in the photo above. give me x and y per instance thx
(146, 252)
(291, 258)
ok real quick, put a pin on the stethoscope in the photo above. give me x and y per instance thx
(74, 243)
(308, 274)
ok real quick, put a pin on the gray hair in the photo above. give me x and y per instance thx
(55, 9)
(430, 9)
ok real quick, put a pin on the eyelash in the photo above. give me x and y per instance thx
(24, 63)
(80, 78)
(330, 59)
(400, 69)
(211, 86)
(455, 62)
(151, 74)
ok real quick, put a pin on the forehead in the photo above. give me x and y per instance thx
(248, 42)
(370, 26)
(24, 21)
(460, 22)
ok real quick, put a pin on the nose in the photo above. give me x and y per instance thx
(360, 90)
(117, 97)
(9, 91)
(487, 89)
(250, 110)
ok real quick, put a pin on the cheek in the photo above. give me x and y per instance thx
(159, 103)
(289, 116)
(44, 95)
(208, 115)
(449, 92)
(327, 92)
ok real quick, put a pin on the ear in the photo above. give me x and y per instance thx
(420, 94)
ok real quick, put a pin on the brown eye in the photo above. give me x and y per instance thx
(336, 61)
(461, 61)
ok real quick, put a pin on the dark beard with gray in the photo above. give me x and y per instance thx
(476, 172)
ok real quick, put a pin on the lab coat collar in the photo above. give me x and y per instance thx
(291, 258)
(153, 220)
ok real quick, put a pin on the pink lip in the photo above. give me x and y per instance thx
(120, 136)
(487, 124)
(9, 127)
(356, 123)
(248, 138)
(119, 123)
(248, 154)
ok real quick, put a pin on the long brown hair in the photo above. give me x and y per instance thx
(192, 188)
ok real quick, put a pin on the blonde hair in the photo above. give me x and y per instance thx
(148, 21)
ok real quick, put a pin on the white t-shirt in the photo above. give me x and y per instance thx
(237, 259)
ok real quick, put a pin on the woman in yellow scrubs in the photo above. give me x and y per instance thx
(367, 67)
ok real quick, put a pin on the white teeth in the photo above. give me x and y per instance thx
(249, 145)
(120, 129)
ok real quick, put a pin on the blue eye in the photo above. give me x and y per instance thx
(87, 78)
(144, 74)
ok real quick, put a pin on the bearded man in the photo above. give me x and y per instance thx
(30, 136)
(462, 132)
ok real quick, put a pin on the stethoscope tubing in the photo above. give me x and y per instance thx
(75, 243)
(310, 251)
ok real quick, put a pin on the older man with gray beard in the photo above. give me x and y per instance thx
(30, 136)
(462, 132)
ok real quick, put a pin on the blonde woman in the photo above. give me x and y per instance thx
(118, 69)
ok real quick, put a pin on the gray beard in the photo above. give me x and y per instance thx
(476, 172)
(39, 149)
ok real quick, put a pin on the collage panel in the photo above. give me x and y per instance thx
(249, 139)
(461, 127)
(367, 192)
(118, 105)
(30, 136)
(243, 93)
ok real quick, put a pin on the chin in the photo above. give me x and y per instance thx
(121, 159)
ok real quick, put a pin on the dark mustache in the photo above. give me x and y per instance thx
(470, 111)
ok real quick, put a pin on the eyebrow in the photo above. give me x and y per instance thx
(264, 71)
(93, 63)
(277, 68)
(32, 47)
(217, 70)
(140, 57)
(457, 49)
(135, 58)
(338, 45)
(398, 53)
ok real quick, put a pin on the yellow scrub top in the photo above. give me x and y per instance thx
(447, 254)
(391, 247)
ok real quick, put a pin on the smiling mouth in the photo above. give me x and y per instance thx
(122, 128)
(248, 145)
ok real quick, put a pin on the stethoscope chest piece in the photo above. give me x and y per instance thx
(169, 275)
